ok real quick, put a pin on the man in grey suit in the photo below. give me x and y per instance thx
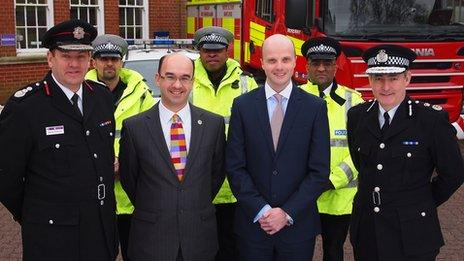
(172, 166)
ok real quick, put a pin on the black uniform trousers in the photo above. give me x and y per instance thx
(124, 222)
(334, 232)
(225, 225)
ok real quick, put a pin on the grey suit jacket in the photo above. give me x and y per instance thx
(169, 213)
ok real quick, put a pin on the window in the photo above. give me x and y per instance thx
(265, 9)
(89, 11)
(132, 19)
(32, 20)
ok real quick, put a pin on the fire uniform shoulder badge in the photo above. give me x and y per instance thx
(26, 91)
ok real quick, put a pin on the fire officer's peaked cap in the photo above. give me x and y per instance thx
(109, 45)
(388, 58)
(213, 38)
(71, 35)
(321, 48)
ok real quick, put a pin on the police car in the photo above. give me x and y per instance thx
(143, 56)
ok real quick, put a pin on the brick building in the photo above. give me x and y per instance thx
(23, 22)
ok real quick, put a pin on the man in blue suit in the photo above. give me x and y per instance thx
(277, 159)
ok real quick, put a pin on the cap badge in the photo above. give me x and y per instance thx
(382, 56)
(109, 46)
(78, 32)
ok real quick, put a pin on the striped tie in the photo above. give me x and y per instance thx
(178, 146)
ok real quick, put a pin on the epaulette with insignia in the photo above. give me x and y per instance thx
(26, 91)
(429, 107)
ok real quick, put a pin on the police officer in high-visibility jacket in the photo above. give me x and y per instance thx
(218, 80)
(131, 96)
(335, 204)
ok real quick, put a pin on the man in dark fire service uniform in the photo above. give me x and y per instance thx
(56, 162)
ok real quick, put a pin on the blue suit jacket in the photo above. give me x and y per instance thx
(292, 177)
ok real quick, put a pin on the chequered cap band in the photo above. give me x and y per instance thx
(108, 47)
(325, 49)
(391, 61)
(213, 38)
(385, 70)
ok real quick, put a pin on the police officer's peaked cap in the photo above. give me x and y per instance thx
(212, 37)
(71, 35)
(109, 45)
(321, 48)
(388, 58)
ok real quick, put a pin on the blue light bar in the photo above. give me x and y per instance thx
(159, 41)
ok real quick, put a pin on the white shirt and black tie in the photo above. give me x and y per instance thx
(382, 117)
(70, 94)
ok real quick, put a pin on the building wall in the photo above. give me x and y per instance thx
(7, 26)
(170, 16)
(16, 72)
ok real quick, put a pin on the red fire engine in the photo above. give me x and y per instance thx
(432, 28)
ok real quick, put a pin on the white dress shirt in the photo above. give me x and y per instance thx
(70, 93)
(391, 113)
(328, 89)
(166, 121)
(271, 101)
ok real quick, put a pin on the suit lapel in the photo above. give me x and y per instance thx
(372, 121)
(156, 131)
(59, 99)
(263, 116)
(88, 101)
(195, 138)
(293, 106)
(400, 120)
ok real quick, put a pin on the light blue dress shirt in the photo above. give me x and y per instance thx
(271, 102)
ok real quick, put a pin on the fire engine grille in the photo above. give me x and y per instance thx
(432, 65)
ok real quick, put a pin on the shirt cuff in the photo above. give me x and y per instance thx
(289, 219)
(265, 209)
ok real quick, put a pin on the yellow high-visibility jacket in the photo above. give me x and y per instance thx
(135, 99)
(343, 174)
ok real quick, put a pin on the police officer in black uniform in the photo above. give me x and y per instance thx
(56, 162)
(396, 144)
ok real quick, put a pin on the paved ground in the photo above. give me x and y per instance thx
(451, 217)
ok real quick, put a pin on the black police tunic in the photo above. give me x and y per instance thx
(56, 172)
(394, 214)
